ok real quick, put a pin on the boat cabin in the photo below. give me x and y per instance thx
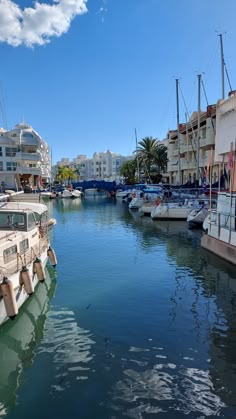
(17, 220)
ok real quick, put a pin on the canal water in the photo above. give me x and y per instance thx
(137, 321)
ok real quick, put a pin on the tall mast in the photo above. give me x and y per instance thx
(178, 135)
(222, 66)
(198, 126)
(136, 141)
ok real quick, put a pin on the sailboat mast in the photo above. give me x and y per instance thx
(198, 127)
(222, 66)
(178, 135)
(136, 141)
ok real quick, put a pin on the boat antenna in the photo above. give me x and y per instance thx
(198, 125)
(223, 67)
(178, 134)
(193, 146)
(136, 142)
(204, 91)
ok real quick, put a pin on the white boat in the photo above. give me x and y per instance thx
(137, 200)
(209, 219)
(40, 215)
(123, 194)
(24, 250)
(147, 208)
(71, 193)
(220, 225)
(197, 216)
(148, 195)
(175, 210)
(76, 193)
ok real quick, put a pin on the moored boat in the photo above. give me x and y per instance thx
(175, 210)
(220, 225)
(24, 251)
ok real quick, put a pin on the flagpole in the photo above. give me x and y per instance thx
(232, 161)
(219, 167)
(210, 162)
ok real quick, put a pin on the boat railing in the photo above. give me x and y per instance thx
(223, 220)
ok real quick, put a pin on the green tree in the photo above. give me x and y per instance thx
(128, 171)
(61, 174)
(152, 156)
(160, 161)
(145, 153)
(65, 173)
(71, 175)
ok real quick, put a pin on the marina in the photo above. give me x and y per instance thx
(136, 321)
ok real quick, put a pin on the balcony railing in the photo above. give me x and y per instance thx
(29, 170)
(21, 156)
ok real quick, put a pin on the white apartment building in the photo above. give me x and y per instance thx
(102, 166)
(24, 158)
(226, 132)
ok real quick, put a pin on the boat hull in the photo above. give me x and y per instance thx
(19, 291)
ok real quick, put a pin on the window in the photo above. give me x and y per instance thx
(0, 151)
(11, 151)
(10, 254)
(31, 221)
(24, 246)
(27, 135)
(1, 166)
(11, 166)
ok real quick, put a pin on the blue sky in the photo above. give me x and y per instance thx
(85, 74)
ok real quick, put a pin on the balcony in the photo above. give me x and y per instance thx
(24, 170)
(21, 156)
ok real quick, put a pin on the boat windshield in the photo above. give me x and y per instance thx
(12, 221)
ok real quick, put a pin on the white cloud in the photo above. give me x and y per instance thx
(36, 25)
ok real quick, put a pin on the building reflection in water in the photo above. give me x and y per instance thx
(208, 286)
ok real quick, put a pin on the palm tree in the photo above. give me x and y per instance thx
(61, 174)
(128, 170)
(146, 151)
(65, 173)
(70, 175)
(160, 159)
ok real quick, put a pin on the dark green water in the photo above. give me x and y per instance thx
(137, 321)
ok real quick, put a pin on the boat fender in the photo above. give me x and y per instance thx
(9, 298)
(39, 270)
(26, 280)
(52, 257)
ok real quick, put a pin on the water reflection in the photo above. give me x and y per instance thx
(70, 349)
(144, 323)
(19, 339)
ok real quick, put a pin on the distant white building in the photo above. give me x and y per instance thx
(102, 166)
(24, 158)
(64, 162)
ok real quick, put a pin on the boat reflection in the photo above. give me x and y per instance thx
(19, 339)
(208, 284)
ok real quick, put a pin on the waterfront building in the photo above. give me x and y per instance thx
(221, 237)
(102, 166)
(24, 158)
(182, 154)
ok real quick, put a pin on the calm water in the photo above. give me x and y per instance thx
(137, 321)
